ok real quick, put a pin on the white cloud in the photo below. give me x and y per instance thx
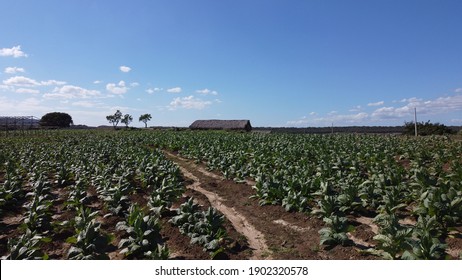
(348, 119)
(86, 104)
(380, 103)
(353, 118)
(21, 81)
(29, 106)
(412, 100)
(52, 83)
(388, 114)
(207, 91)
(458, 90)
(125, 69)
(300, 122)
(189, 102)
(134, 84)
(174, 90)
(443, 104)
(357, 118)
(120, 88)
(356, 109)
(332, 113)
(5, 88)
(384, 112)
(14, 70)
(97, 82)
(439, 105)
(14, 52)
(69, 91)
(153, 90)
(27, 90)
(30, 103)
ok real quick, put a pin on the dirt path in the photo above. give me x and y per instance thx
(241, 224)
(271, 232)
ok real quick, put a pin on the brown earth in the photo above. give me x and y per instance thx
(254, 231)
(179, 245)
(273, 233)
(282, 234)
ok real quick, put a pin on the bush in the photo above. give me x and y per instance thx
(427, 128)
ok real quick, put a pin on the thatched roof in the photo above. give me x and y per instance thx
(222, 124)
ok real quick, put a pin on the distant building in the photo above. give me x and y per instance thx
(18, 122)
(222, 125)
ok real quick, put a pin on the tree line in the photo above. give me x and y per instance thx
(427, 128)
(64, 120)
(126, 119)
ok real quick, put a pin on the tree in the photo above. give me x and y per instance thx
(145, 118)
(127, 119)
(115, 119)
(427, 128)
(56, 119)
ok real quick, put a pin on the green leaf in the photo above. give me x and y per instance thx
(71, 240)
(124, 251)
(46, 239)
(124, 242)
(408, 256)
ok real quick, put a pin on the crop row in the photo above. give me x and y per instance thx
(71, 183)
(340, 177)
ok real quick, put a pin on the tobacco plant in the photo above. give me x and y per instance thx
(393, 238)
(26, 247)
(11, 191)
(187, 215)
(162, 197)
(204, 228)
(89, 243)
(335, 232)
(144, 239)
(77, 195)
(116, 197)
(426, 242)
(441, 198)
(208, 231)
(327, 175)
(38, 216)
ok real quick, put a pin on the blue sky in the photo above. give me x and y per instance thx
(278, 63)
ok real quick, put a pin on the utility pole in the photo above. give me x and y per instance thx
(415, 121)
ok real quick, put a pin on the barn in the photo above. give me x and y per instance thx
(243, 125)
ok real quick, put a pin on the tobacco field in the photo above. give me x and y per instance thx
(147, 194)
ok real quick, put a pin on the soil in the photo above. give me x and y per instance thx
(272, 232)
(179, 245)
(253, 231)
(255, 238)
